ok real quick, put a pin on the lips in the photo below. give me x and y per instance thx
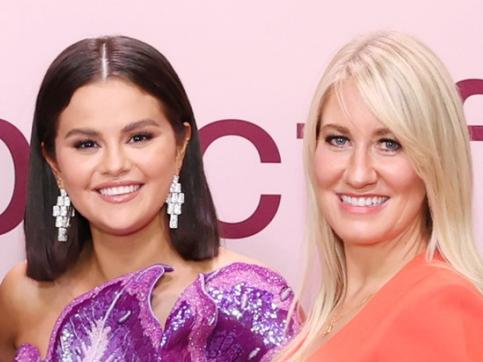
(363, 201)
(119, 192)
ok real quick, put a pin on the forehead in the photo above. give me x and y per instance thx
(346, 108)
(109, 101)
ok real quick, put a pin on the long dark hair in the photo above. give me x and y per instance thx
(89, 60)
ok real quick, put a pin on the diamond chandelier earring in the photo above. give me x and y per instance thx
(174, 200)
(62, 212)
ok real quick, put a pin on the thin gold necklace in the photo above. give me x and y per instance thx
(338, 316)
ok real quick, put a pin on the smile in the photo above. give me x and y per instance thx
(119, 190)
(371, 201)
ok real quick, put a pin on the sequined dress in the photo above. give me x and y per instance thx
(237, 313)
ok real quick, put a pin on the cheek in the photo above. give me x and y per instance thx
(403, 176)
(158, 164)
(405, 181)
(327, 167)
(76, 170)
(76, 174)
(417, 190)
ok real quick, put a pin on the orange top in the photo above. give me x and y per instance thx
(426, 312)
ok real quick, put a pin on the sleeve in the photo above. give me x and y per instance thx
(445, 326)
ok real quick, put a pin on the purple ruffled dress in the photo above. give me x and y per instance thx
(237, 313)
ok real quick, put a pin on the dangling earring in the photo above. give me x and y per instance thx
(175, 200)
(62, 211)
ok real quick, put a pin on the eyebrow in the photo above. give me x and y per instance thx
(380, 132)
(126, 129)
(335, 127)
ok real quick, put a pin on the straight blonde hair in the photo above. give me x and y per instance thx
(410, 91)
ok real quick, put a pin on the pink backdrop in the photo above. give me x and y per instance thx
(253, 61)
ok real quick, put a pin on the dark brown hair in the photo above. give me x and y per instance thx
(86, 61)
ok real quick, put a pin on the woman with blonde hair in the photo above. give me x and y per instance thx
(390, 189)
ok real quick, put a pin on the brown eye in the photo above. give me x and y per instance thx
(82, 144)
(140, 137)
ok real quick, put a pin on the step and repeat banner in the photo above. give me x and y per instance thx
(250, 69)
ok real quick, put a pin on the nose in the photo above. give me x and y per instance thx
(115, 161)
(360, 171)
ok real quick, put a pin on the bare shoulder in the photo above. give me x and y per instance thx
(13, 286)
(16, 290)
(24, 299)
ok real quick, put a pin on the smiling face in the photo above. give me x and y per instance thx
(116, 154)
(367, 188)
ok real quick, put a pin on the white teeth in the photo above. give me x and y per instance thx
(119, 190)
(364, 201)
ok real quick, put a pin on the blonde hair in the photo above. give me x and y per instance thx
(409, 90)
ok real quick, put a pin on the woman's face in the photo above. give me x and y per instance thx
(116, 154)
(367, 188)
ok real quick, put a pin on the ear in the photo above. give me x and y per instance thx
(181, 148)
(52, 164)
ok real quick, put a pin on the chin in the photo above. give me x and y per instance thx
(361, 237)
(358, 241)
(120, 228)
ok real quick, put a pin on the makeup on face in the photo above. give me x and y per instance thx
(116, 154)
(366, 185)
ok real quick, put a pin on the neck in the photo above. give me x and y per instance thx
(114, 255)
(369, 267)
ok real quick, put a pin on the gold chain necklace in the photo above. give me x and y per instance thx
(338, 316)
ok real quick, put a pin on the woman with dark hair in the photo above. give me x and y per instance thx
(123, 255)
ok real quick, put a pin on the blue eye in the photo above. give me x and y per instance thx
(82, 144)
(390, 145)
(337, 141)
(140, 137)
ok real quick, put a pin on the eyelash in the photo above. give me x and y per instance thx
(84, 144)
(330, 140)
(395, 143)
(396, 146)
(135, 138)
(145, 136)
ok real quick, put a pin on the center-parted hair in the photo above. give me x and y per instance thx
(98, 59)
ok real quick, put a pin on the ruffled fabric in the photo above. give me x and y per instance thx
(237, 313)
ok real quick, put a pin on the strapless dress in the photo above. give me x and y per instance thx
(236, 313)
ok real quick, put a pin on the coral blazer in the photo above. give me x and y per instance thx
(426, 312)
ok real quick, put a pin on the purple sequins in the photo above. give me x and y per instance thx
(237, 313)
